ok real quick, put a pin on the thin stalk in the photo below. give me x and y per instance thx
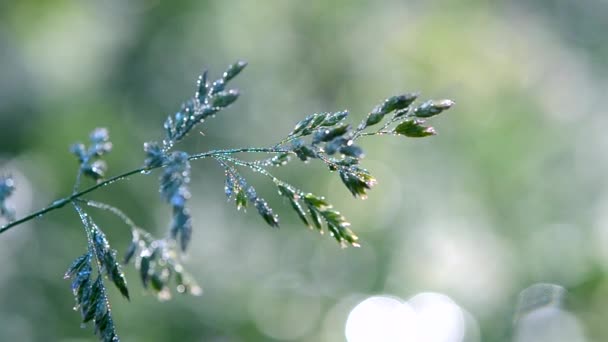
(135, 230)
(63, 201)
(77, 182)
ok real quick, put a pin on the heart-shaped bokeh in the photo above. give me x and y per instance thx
(426, 317)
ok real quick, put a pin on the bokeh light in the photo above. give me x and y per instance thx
(541, 317)
(426, 317)
(382, 318)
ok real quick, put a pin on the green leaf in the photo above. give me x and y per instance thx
(99, 311)
(114, 272)
(334, 118)
(266, 212)
(338, 226)
(357, 182)
(216, 87)
(333, 133)
(348, 161)
(181, 226)
(230, 186)
(432, 108)
(233, 70)
(396, 102)
(316, 217)
(96, 297)
(144, 269)
(319, 118)
(295, 204)
(77, 265)
(90, 165)
(414, 128)
(300, 126)
(130, 252)
(352, 151)
(393, 103)
(300, 211)
(155, 156)
(156, 282)
(304, 152)
(201, 87)
(80, 273)
(317, 202)
(224, 98)
(285, 190)
(241, 199)
(107, 258)
(373, 118)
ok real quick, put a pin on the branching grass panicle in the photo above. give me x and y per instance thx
(327, 138)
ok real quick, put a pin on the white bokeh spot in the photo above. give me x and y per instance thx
(426, 317)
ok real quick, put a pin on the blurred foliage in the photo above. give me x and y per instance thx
(511, 193)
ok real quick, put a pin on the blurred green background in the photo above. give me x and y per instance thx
(512, 192)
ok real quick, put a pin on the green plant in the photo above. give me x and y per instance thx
(325, 137)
